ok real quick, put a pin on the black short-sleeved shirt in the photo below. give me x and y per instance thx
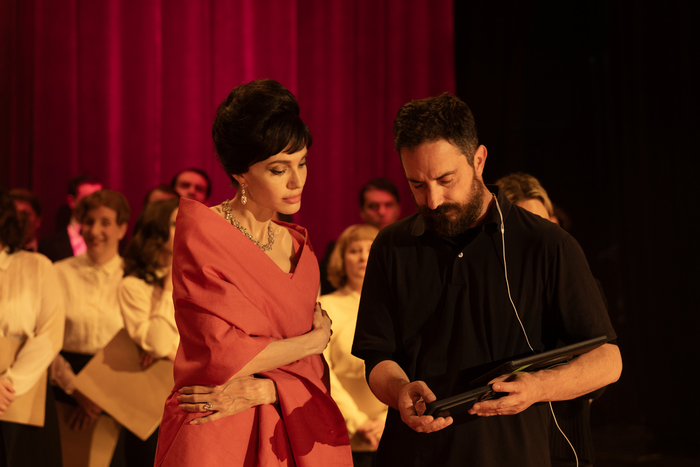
(440, 309)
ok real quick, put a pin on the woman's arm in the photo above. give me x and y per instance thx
(62, 375)
(286, 351)
(40, 349)
(149, 328)
(244, 391)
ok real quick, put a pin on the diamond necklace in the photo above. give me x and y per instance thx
(234, 222)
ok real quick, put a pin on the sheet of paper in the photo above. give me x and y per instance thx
(115, 381)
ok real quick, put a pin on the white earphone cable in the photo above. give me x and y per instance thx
(517, 315)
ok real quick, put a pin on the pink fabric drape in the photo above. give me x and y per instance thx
(127, 91)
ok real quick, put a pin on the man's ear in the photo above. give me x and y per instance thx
(480, 160)
(70, 200)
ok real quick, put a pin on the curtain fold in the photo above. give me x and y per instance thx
(127, 91)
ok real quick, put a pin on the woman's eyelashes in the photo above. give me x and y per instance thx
(283, 170)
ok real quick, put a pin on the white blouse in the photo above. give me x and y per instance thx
(93, 316)
(31, 310)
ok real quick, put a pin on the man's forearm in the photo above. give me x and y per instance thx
(386, 380)
(586, 373)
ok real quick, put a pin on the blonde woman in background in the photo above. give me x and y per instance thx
(364, 414)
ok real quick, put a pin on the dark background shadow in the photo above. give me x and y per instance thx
(599, 101)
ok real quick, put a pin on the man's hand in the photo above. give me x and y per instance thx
(524, 389)
(411, 401)
(7, 395)
(232, 397)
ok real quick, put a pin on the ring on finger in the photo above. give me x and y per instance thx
(208, 406)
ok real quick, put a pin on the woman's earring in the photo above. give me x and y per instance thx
(244, 200)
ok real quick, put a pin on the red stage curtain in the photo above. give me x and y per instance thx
(127, 90)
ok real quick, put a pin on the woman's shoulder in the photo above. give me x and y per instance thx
(70, 263)
(133, 291)
(29, 261)
(133, 282)
(190, 208)
(195, 218)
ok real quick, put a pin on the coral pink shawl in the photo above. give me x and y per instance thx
(231, 301)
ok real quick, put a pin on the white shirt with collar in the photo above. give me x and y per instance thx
(93, 315)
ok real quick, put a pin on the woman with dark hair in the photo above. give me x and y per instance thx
(31, 334)
(146, 301)
(364, 414)
(251, 386)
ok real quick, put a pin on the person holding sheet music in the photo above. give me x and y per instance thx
(93, 317)
(31, 333)
(146, 300)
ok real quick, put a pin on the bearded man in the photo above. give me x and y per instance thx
(463, 285)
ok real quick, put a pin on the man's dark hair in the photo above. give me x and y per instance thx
(22, 194)
(201, 172)
(163, 188)
(75, 182)
(256, 121)
(379, 183)
(435, 118)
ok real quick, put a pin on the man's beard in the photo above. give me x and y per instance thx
(452, 219)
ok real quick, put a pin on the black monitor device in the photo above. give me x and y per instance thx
(463, 402)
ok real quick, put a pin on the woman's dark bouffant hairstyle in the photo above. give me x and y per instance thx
(151, 232)
(11, 226)
(435, 118)
(256, 121)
